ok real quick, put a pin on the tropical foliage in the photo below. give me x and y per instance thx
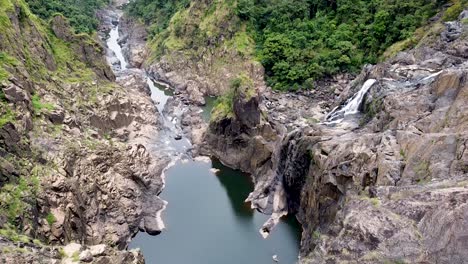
(302, 40)
(81, 13)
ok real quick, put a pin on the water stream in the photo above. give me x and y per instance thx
(352, 106)
(206, 218)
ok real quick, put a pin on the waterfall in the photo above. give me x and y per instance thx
(352, 105)
(113, 44)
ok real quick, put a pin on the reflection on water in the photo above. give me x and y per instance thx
(238, 186)
(207, 221)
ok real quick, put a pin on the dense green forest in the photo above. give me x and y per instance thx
(302, 40)
(81, 13)
(156, 13)
(299, 41)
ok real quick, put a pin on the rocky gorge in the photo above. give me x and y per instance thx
(385, 184)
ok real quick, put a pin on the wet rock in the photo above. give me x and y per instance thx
(275, 258)
(152, 226)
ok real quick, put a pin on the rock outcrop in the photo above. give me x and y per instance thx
(134, 37)
(386, 190)
(389, 184)
(238, 134)
(71, 253)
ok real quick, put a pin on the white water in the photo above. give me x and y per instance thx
(113, 43)
(352, 106)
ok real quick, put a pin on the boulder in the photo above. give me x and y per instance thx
(86, 256)
(15, 94)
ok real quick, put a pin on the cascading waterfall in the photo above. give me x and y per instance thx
(352, 106)
(113, 43)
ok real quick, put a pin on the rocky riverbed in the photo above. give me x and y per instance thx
(387, 184)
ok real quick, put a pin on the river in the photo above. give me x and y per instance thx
(206, 218)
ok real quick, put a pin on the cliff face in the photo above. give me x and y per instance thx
(395, 188)
(73, 144)
(390, 185)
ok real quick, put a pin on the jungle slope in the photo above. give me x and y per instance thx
(200, 47)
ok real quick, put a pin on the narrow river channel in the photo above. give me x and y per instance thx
(206, 219)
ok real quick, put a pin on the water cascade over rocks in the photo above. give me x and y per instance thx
(352, 106)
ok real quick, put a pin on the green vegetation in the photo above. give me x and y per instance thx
(17, 198)
(38, 106)
(80, 13)
(156, 13)
(374, 200)
(223, 108)
(303, 40)
(76, 256)
(403, 154)
(243, 84)
(452, 12)
(6, 114)
(8, 231)
(422, 170)
(297, 41)
(62, 253)
(6, 61)
(50, 218)
(316, 235)
(195, 26)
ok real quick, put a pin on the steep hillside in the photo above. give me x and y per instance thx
(81, 14)
(72, 144)
(201, 48)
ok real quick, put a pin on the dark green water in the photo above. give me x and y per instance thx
(209, 104)
(207, 221)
